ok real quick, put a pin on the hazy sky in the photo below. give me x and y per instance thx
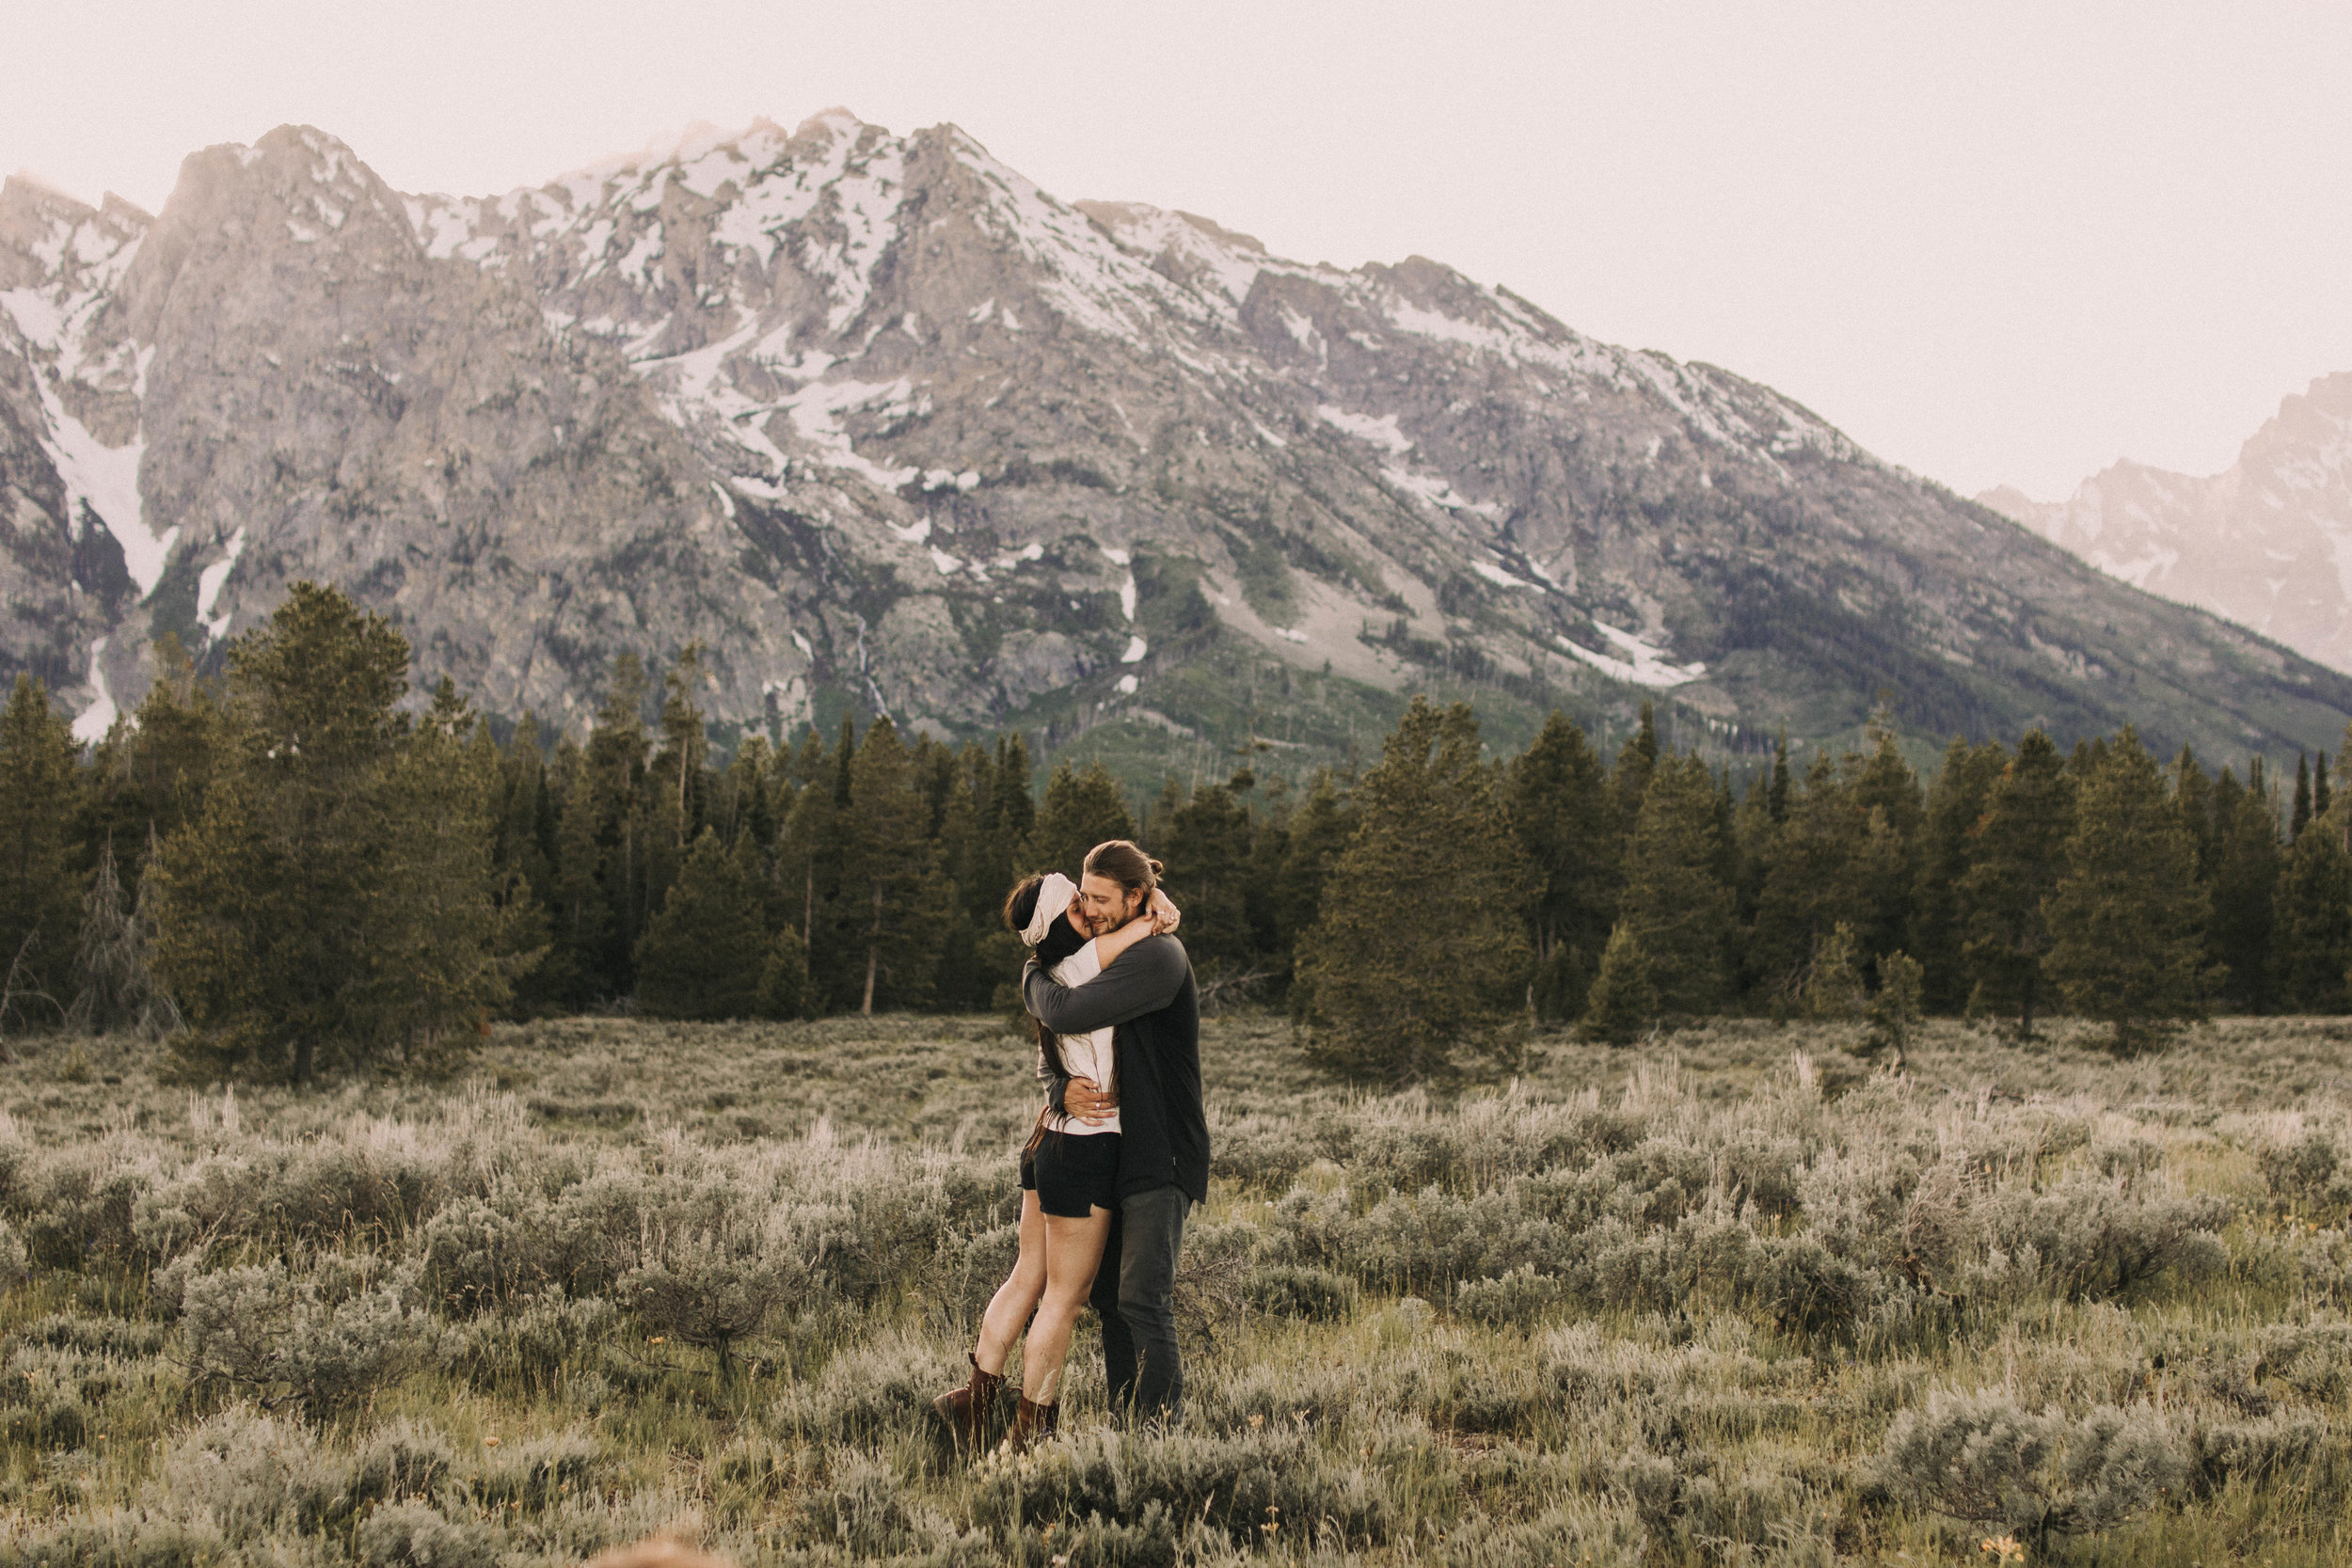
(1993, 242)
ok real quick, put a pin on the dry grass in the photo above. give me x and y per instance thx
(1721, 1299)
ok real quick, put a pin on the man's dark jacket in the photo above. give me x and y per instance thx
(1147, 995)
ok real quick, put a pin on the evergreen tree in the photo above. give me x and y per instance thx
(617, 786)
(38, 899)
(1420, 949)
(1834, 987)
(576, 971)
(1948, 839)
(808, 871)
(2312, 945)
(148, 777)
(1081, 811)
(676, 797)
(2003, 902)
(1822, 866)
(705, 952)
(2244, 888)
(2127, 918)
(1012, 811)
(2322, 797)
(1675, 903)
(1623, 1001)
(1320, 831)
(892, 902)
(2302, 814)
(1559, 805)
(1777, 798)
(1637, 759)
(1206, 848)
(783, 989)
(2193, 792)
(336, 893)
(1893, 1011)
(1886, 793)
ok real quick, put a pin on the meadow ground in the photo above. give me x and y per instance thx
(1726, 1298)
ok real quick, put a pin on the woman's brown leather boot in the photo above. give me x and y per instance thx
(970, 1411)
(1032, 1423)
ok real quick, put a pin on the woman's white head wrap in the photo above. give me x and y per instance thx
(1053, 902)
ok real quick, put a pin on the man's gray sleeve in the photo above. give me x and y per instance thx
(1141, 980)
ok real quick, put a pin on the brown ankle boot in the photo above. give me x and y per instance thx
(1032, 1424)
(970, 1411)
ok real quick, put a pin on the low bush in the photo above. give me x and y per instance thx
(1979, 1457)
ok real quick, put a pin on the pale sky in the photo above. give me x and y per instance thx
(1993, 242)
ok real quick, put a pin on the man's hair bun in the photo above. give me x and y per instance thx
(1122, 862)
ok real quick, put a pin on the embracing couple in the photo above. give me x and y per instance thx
(1120, 1153)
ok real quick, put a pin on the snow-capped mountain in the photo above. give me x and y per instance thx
(2266, 542)
(877, 421)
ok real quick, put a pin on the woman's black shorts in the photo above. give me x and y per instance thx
(1074, 1172)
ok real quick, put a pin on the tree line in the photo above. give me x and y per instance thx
(288, 870)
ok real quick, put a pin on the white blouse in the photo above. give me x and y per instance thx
(1086, 1055)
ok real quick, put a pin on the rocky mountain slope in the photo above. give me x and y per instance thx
(882, 425)
(2266, 542)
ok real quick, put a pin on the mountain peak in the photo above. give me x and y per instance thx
(2266, 542)
(886, 427)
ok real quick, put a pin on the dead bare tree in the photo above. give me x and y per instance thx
(13, 996)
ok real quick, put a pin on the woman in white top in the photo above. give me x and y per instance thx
(1069, 1177)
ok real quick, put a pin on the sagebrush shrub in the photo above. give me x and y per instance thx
(870, 1392)
(255, 1474)
(417, 1535)
(1285, 1291)
(1517, 1299)
(273, 1335)
(1236, 1484)
(1981, 1457)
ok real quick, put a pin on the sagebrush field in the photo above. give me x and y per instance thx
(1722, 1298)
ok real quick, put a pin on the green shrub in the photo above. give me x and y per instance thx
(265, 1331)
(1517, 1299)
(1319, 1295)
(1979, 1457)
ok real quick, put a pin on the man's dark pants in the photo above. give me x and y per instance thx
(1134, 1293)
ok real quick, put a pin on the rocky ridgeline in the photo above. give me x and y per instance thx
(879, 423)
(2267, 542)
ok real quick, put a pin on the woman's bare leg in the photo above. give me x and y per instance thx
(1074, 1250)
(1017, 1297)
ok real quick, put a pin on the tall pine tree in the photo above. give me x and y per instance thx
(2311, 942)
(1419, 950)
(2127, 918)
(1676, 906)
(704, 951)
(2019, 856)
(2244, 889)
(1081, 811)
(335, 896)
(1559, 805)
(39, 902)
(891, 906)
(1957, 802)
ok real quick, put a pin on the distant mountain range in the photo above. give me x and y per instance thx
(2266, 542)
(885, 427)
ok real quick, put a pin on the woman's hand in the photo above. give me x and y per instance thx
(1163, 914)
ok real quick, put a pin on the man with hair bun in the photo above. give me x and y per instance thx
(1146, 997)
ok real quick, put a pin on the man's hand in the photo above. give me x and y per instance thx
(1086, 1100)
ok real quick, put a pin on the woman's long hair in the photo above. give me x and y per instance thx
(1062, 940)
